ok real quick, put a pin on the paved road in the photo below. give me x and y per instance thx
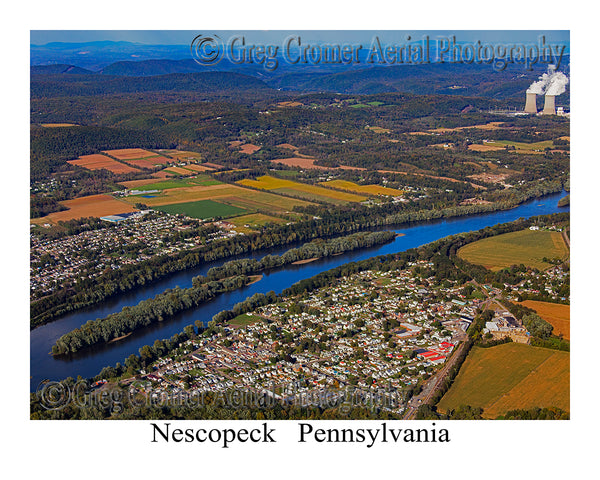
(434, 382)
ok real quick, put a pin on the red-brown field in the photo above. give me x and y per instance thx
(249, 148)
(290, 104)
(309, 163)
(178, 171)
(91, 206)
(163, 174)
(133, 184)
(130, 153)
(98, 162)
(198, 168)
(212, 165)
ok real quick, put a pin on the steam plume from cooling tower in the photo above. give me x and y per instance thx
(551, 83)
(558, 82)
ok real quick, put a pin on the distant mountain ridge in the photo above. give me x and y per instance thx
(441, 78)
(59, 68)
(62, 85)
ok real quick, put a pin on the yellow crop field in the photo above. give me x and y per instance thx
(510, 376)
(287, 186)
(364, 189)
(556, 314)
(527, 247)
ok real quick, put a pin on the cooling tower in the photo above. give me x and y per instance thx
(549, 108)
(530, 106)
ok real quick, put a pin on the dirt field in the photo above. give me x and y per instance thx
(99, 162)
(290, 104)
(91, 206)
(558, 315)
(57, 125)
(130, 153)
(511, 376)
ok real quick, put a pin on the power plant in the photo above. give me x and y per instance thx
(530, 105)
(549, 107)
(550, 85)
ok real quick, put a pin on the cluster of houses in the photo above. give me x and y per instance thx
(369, 330)
(59, 263)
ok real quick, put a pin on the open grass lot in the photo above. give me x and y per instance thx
(364, 189)
(245, 319)
(90, 206)
(526, 247)
(267, 182)
(224, 193)
(511, 376)
(556, 314)
(99, 162)
(202, 209)
(256, 220)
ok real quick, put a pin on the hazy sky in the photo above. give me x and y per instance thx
(183, 37)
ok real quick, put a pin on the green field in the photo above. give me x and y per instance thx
(526, 146)
(202, 209)
(527, 247)
(245, 319)
(256, 220)
(510, 376)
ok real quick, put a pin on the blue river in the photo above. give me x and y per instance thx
(89, 363)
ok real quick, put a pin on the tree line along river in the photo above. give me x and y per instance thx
(88, 363)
